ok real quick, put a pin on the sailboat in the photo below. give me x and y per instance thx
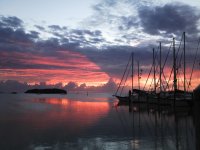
(176, 96)
(133, 94)
(127, 98)
(164, 95)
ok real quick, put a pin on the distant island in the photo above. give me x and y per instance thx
(47, 91)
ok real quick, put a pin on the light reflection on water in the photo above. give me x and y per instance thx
(59, 122)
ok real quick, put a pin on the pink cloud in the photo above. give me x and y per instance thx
(76, 67)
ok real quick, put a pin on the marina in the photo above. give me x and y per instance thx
(161, 93)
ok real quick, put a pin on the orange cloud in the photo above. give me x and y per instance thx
(52, 69)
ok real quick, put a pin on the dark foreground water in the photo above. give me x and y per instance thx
(94, 122)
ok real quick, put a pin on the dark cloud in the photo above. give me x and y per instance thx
(127, 23)
(40, 28)
(71, 86)
(55, 27)
(113, 59)
(76, 37)
(84, 38)
(88, 32)
(15, 86)
(51, 43)
(34, 35)
(15, 36)
(170, 18)
(12, 22)
(12, 86)
(12, 31)
(110, 86)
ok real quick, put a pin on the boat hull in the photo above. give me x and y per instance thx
(155, 100)
(124, 99)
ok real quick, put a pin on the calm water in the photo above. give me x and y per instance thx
(80, 122)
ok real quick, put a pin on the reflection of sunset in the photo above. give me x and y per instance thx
(83, 114)
(62, 102)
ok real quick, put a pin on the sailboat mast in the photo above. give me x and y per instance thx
(174, 67)
(160, 70)
(132, 70)
(184, 63)
(154, 70)
(138, 75)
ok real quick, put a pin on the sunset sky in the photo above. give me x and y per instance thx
(90, 41)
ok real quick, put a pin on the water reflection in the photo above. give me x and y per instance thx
(197, 123)
(157, 127)
(59, 123)
(76, 114)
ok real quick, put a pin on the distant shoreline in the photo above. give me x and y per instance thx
(46, 91)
